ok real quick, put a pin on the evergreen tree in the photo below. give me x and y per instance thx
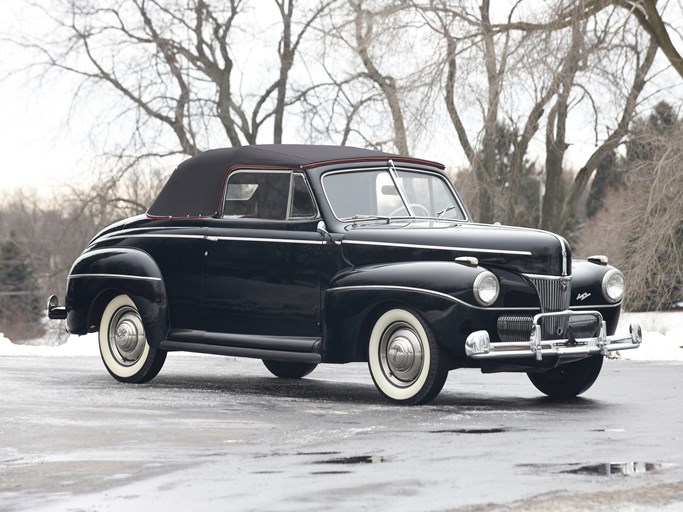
(607, 177)
(20, 308)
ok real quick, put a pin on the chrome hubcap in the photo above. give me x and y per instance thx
(401, 354)
(126, 336)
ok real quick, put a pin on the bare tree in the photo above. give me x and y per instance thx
(557, 59)
(649, 17)
(363, 23)
(179, 67)
(381, 89)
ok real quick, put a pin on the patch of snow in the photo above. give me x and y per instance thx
(75, 346)
(662, 336)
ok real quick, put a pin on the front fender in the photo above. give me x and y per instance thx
(98, 276)
(587, 292)
(440, 292)
(436, 277)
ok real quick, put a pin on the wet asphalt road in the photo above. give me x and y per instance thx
(215, 433)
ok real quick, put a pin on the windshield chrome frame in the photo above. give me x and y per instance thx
(399, 188)
(391, 167)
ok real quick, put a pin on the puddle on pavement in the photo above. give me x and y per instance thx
(358, 459)
(617, 468)
(317, 453)
(498, 430)
(602, 469)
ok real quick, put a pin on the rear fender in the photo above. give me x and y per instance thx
(100, 275)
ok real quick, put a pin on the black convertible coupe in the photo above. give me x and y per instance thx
(300, 255)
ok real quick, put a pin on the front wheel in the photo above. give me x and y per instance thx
(569, 379)
(405, 361)
(123, 344)
(288, 370)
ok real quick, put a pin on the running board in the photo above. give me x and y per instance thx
(275, 348)
(273, 355)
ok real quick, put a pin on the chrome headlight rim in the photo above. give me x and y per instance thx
(476, 288)
(605, 285)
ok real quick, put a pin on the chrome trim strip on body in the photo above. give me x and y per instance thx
(214, 238)
(543, 276)
(117, 276)
(437, 247)
(266, 240)
(424, 290)
(593, 306)
(565, 270)
(145, 235)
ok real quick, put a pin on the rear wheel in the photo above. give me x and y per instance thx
(405, 362)
(289, 370)
(123, 344)
(569, 379)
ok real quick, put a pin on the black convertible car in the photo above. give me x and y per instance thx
(300, 255)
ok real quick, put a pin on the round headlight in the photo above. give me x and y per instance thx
(486, 288)
(613, 285)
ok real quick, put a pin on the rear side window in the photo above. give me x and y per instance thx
(273, 195)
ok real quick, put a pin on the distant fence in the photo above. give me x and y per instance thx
(2, 294)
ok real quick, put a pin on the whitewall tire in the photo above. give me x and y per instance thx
(405, 361)
(123, 344)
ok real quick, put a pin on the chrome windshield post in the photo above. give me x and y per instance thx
(401, 192)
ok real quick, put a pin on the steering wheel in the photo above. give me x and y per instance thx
(414, 206)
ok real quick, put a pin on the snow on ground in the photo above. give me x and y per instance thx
(75, 346)
(662, 336)
(662, 340)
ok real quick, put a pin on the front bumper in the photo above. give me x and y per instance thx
(478, 344)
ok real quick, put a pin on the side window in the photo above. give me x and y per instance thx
(302, 204)
(257, 194)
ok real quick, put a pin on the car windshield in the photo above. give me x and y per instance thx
(382, 194)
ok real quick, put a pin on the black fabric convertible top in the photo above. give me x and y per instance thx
(195, 188)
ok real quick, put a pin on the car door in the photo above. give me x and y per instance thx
(262, 261)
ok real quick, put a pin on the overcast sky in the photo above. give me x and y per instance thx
(44, 144)
(38, 150)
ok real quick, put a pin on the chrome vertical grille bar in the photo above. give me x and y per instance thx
(554, 294)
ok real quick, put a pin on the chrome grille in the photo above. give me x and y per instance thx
(584, 326)
(518, 328)
(554, 294)
(514, 328)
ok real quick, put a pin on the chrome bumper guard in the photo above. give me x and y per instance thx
(478, 344)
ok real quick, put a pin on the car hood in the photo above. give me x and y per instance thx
(518, 249)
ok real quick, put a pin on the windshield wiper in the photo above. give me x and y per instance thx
(355, 218)
(441, 212)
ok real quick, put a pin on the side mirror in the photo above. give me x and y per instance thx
(322, 229)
